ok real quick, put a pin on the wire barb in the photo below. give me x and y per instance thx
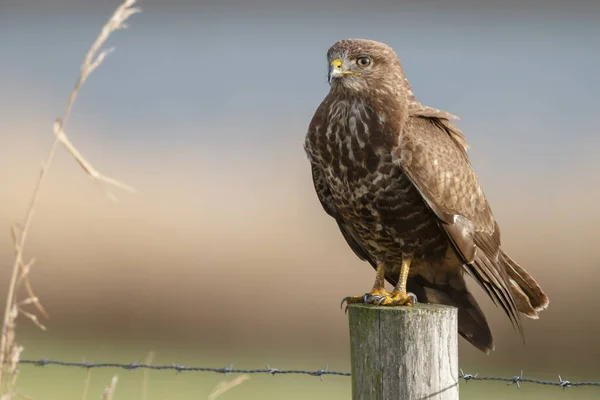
(564, 384)
(468, 377)
(272, 371)
(133, 365)
(516, 380)
(176, 367)
(227, 370)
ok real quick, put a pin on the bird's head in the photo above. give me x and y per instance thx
(360, 64)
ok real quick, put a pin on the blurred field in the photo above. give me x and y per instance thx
(225, 255)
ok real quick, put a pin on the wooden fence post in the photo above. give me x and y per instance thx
(404, 353)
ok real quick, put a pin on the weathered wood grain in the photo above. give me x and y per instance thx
(404, 353)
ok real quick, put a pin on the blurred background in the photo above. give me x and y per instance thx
(225, 255)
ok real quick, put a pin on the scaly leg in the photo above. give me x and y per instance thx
(379, 296)
(377, 292)
(399, 296)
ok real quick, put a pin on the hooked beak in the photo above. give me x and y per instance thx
(336, 71)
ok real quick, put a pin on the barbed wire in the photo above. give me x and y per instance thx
(321, 373)
(182, 368)
(518, 379)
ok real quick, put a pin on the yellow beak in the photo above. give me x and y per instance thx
(336, 71)
(337, 64)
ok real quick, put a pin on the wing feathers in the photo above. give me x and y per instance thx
(437, 164)
(442, 117)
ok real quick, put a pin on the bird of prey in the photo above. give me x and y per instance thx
(395, 176)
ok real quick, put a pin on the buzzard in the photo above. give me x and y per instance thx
(395, 176)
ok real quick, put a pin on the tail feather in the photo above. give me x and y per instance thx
(527, 293)
(472, 324)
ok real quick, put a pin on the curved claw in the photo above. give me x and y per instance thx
(369, 298)
(413, 297)
(394, 299)
(366, 298)
(345, 299)
(378, 299)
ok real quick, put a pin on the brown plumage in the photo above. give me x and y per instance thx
(395, 176)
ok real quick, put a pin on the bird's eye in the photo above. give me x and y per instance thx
(363, 62)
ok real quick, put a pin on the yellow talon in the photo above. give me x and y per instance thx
(379, 296)
(397, 298)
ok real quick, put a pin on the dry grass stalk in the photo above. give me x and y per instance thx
(147, 361)
(9, 350)
(86, 385)
(24, 275)
(109, 391)
(225, 386)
